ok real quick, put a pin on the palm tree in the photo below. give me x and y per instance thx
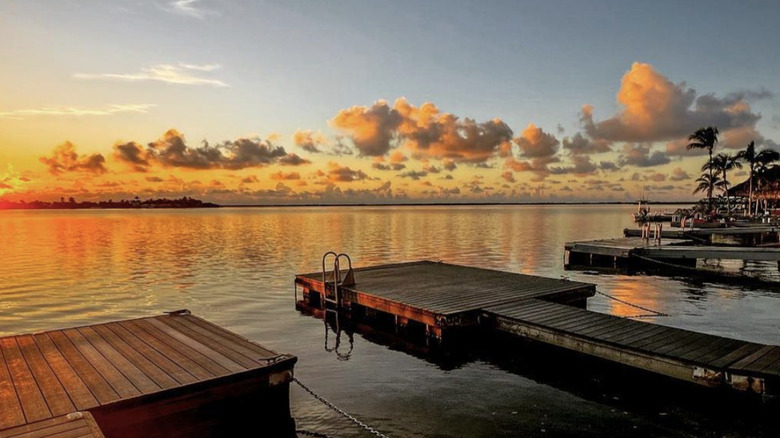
(708, 181)
(705, 138)
(753, 160)
(723, 163)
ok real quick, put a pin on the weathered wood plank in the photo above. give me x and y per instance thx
(98, 386)
(178, 366)
(258, 350)
(33, 403)
(161, 378)
(198, 346)
(128, 369)
(173, 347)
(113, 376)
(11, 413)
(747, 360)
(230, 349)
(53, 392)
(74, 425)
(735, 355)
(77, 390)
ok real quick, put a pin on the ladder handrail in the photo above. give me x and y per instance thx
(348, 280)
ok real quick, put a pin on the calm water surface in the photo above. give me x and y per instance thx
(235, 267)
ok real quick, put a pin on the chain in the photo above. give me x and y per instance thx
(340, 411)
(652, 313)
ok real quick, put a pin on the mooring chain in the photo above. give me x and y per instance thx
(339, 410)
(652, 313)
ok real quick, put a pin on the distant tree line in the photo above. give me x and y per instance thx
(71, 203)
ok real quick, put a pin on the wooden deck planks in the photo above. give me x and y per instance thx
(118, 381)
(11, 413)
(30, 397)
(46, 375)
(77, 390)
(53, 392)
(74, 425)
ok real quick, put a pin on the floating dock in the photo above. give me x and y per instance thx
(443, 297)
(173, 375)
(733, 236)
(622, 251)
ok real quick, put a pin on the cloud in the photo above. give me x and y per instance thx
(508, 177)
(172, 150)
(251, 179)
(293, 160)
(77, 111)
(539, 166)
(414, 174)
(579, 144)
(581, 166)
(655, 109)
(449, 165)
(182, 74)
(281, 176)
(371, 129)
(188, 8)
(640, 155)
(608, 165)
(379, 164)
(338, 173)
(679, 175)
(132, 154)
(535, 143)
(308, 141)
(155, 179)
(66, 159)
(425, 130)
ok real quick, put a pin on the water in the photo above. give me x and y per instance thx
(235, 267)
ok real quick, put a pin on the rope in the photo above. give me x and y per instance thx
(651, 312)
(340, 411)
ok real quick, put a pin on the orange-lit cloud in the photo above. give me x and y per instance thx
(172, 150)
(337, 173)
(282, 176)
(309, 141)
(66, 159)
(425, 130)
(655, 109)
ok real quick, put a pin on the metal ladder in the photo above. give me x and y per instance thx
(331, 287)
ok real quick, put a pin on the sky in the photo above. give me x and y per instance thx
(305, 102)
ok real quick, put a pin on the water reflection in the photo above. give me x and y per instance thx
(235, 267)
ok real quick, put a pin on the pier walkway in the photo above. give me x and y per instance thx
(443, 297)
(664, 249)
(155, 376)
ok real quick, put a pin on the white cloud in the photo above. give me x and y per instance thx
(183, 74)
(189, 8)
(77, 111)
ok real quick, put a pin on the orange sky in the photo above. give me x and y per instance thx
(91, 113)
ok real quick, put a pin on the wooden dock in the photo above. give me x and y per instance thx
(442, 297)
(74, 425)
(169, 375)
(620, 251)
(438, 295)
(732, 236)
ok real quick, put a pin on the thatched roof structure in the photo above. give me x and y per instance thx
(772, 177)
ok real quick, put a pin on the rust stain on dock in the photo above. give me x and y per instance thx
(130, 374)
